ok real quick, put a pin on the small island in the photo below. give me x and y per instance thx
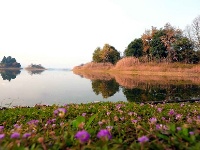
(35, 67)
(9, 63)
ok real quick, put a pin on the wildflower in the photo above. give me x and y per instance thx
(158, 126)
(60, 112)
(189, 120)
(178, 116)
(134, 121)
(130, 113)
(108, 113)
(104, 134)
(15, 135)
(2, 136)
(171, 112)
(109, 128)
(83, 114)
(16, 126)
(159, 109)
(83, 136)
(191, 133)
(178, 128)
(122, 118)
(100, 123)
(1, 128)
(33, 122)
(153, 120)
(143, 139)
(26, 135)
(182, 104)
(141, 104)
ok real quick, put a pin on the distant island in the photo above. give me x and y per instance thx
(9, 63)
(35, 67)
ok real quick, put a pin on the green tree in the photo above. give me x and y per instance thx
(157, 48)
(185, 51)
(97, 55)
(9, 62)
(135, 48)
(107, 54)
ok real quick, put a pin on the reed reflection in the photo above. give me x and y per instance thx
(145, 88)
(9, 74)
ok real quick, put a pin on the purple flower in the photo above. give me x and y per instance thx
(143, 139)
(83, 136)
(191, 133)
(171, 112)
(33, 122)
(134, 121)
(15, 135)
(104, 134)
(26, 135)
(17, 126)
(1, 128)
(153, 120)
(83, 114)
(178, 128)
(2, 136)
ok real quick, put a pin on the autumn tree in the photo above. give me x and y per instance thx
(97, 55)
(171, 34)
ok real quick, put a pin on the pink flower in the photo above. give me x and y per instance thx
(153, 120)
(2, 136)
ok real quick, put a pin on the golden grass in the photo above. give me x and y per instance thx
(132, 65)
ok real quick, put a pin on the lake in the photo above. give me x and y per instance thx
(23, 88)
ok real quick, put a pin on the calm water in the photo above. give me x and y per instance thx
(63, 87)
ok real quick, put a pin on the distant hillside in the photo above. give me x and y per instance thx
(35, 67)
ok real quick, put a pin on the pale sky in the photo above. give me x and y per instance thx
(65, 33)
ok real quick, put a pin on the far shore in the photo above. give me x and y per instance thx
(10, 68)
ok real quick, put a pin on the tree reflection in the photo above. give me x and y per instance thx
(105, 87)
(151, 92)
(9, 74)
(32, 72)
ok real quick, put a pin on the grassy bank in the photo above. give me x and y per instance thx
(101, 126)
(131, 65)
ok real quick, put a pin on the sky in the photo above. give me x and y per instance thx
(65, 33)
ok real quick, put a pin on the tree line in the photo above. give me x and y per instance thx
(167, 44)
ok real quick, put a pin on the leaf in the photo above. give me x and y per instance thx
(163, 136)
(77, 121)
(90, 121)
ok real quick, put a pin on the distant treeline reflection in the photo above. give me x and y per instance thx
(137, 89)
(10, 74)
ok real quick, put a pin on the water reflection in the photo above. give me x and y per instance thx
(9, 74)
(145, 88)
(34, 72)
(106, 88)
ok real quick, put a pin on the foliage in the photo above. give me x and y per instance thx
(107, 54)
(135, 48)
(101, 126)
(9, 62)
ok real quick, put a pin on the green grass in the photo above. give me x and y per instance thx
(126, 122)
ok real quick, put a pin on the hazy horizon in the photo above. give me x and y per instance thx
(64, 34)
